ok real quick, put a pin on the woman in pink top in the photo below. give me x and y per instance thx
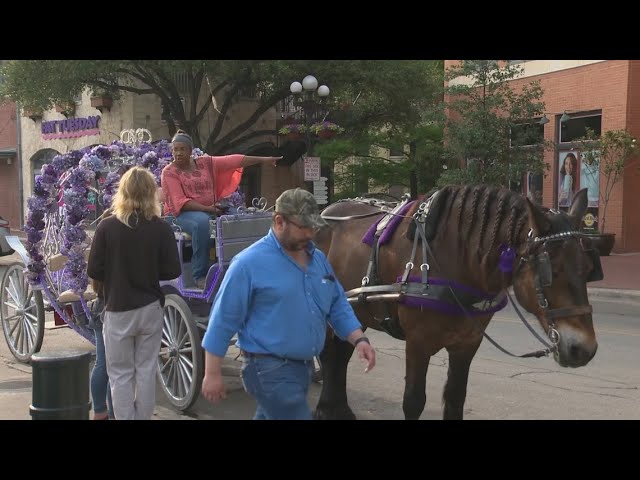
(193, 186)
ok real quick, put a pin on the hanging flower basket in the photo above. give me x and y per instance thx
(293, 131)
(326, 130)
(326, 134)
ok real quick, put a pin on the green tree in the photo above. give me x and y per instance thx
(387, 91)
(488, 124)
(412, 130)
(611, 153)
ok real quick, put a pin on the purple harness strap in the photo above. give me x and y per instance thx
(388, 231)
(448, 308)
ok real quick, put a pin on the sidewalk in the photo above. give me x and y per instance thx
(621, 274)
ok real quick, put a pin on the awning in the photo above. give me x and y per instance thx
(7, 152)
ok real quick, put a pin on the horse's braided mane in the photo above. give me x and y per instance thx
(469, 205)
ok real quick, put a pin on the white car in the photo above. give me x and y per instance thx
(5, 229)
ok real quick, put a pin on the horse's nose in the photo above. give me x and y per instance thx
(580, 355)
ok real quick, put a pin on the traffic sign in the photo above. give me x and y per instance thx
(311, 168)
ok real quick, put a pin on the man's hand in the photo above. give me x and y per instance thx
(213, 388)
(367, 354)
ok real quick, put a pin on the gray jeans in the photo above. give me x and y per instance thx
(132, 343)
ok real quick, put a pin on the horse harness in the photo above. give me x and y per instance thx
(422, 291)
(538, 256)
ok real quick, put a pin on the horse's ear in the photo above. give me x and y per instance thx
(578, 208)
(538, 222)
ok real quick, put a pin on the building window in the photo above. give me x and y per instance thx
(250, 183)
(534, 187)
(396, 153)
(527, 134)
(577, 125)
(39, 159)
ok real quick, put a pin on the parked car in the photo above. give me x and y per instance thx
(5, 229)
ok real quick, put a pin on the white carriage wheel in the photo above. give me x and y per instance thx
(21, 314)
(180, 362)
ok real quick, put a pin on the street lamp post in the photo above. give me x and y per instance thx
(310, 101)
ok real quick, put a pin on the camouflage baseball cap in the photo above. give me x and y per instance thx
(301, 204)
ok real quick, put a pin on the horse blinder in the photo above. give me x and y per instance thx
(544, 271)
(596, 273)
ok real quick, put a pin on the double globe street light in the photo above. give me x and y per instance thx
(310, 102)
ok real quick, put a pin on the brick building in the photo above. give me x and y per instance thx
(9, 166)
(599, 94)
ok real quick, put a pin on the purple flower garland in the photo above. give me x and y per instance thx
(72, 175)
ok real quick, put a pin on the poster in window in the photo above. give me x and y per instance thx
(568, 179)
(590, 179)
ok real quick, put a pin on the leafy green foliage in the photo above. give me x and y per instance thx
(612, 153)
(488, 124)
(387, 91)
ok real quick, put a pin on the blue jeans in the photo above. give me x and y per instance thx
(196, 224)
(279, 387)
(100, 391)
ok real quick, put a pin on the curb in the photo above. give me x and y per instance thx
(606, 294)
(614, 293)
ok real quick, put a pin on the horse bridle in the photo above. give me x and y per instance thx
(540, 261)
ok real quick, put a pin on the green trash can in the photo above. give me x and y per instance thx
(60, 386)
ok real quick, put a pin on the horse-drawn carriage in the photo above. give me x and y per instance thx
(68, 195)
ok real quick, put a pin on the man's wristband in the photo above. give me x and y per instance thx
(361, 339)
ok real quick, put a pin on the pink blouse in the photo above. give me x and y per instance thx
(213, 178)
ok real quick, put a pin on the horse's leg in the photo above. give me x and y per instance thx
(415, 381)
(455, 390)
(332, 404)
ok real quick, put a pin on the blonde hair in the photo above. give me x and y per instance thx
(136, 194)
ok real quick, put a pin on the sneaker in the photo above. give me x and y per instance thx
(201, 283)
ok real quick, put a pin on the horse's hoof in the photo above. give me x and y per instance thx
(334, 414)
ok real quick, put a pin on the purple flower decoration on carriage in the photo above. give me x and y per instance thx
(79, 169)
(149, 159)
(92, 162)
(507, 256)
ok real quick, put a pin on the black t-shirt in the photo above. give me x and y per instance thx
(132, 261)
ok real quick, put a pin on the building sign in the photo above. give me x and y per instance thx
(71, 127)
(311, 169)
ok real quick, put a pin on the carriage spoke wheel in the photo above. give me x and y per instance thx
(180, 360)
(21, 314)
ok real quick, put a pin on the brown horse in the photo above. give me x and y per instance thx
(480, 241)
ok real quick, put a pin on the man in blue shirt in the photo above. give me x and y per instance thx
(278, 296)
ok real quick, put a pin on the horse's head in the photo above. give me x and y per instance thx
(550, 280)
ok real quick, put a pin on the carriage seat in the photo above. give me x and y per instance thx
(68, 296)
(58, 261)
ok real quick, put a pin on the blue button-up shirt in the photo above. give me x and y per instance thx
(275, 306)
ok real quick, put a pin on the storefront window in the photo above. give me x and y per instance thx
(534, 187)
(38, 160)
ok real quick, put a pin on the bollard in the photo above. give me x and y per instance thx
(60, 386)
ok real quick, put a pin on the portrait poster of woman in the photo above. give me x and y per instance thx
(590, 179)
(568, 178)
